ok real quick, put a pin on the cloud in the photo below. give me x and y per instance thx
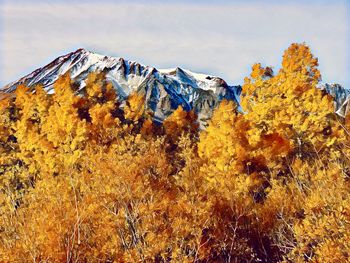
(224, 39)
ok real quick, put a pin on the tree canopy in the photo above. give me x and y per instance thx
(86, 178)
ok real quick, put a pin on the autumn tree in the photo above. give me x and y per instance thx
(85, 177)
(248, 156)
(181, 121)
(290, 105)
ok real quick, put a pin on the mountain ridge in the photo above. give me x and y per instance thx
(164, 89)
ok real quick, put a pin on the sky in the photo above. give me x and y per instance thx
(220, 38)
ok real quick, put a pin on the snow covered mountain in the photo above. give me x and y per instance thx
(164, 89)
(341, 97)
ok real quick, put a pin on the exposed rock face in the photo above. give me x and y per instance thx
(164, 89)
(341, 97)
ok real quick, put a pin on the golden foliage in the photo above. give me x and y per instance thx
(86, 179)
(135, 107)
(180, 121)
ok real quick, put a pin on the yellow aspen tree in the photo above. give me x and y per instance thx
(134, 109)
(33, 109)
(64, 128)
(289, 104)
(322, 234)
(100, 107)
(181, 121)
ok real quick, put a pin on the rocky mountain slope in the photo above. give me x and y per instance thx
(341, 97)
(164, 89)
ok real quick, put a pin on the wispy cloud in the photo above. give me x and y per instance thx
(224, 39)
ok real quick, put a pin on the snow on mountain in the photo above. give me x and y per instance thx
(341, 97)
(164, 89)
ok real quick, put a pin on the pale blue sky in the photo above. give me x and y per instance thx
(222, 38)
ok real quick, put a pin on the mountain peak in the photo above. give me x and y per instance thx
(164, 89)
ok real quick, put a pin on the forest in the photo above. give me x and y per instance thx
(83, 179)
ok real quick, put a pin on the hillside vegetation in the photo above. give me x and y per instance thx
(84, 179)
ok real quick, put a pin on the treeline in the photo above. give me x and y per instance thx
(83, 179)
